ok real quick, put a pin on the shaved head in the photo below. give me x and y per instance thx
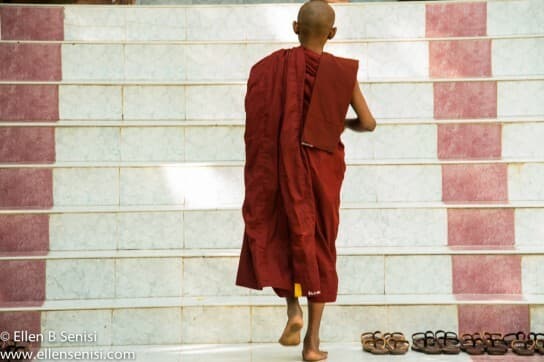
(315, 20)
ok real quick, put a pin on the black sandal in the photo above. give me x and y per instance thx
(539, 342)
(472, 344)
(425, 342)
(448, 341)
(495, 343)
(510, 337)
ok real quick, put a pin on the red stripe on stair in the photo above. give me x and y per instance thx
(493, 318)
(39, 62)
(467, 141)
(32, 23)
(22, 321)
(477, 99)
(460, 58)
(463, 19)
(26, 188)
(485, 274)
(29, 103)
(474, 182)
(481, 227)
(24, 233)
(27, 144)
(22, 281)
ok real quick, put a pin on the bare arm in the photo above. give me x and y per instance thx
(364, 122)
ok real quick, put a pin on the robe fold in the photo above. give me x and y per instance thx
(296, 103)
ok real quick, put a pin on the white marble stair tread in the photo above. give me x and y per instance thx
(268, 300)
(241, 123)
(243, 82)
(235, 252)
(355, 205)
(278, 42)
(254, 352)
(240, 163)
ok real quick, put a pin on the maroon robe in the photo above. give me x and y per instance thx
(296, 103)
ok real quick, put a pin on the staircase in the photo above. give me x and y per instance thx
(121, 175)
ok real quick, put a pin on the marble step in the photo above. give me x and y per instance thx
(273, 21)
(414, 99)
(235, 252)
(435, 205)
(270, 300)
(260, 319)
(135, 275)
(239, 163)
(240, 122)
(168, 62)
(181, 185)
(201, 276)
(212, 146)
(248, 352)
(242, 81)
(275, 42)
(152, 227)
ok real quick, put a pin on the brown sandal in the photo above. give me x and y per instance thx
(510, 337)
(369, 336)
(375, 346)
(495, 343)
(523, 347)
(396, 343)
(472, 343)
(539, 342)
(448, 341)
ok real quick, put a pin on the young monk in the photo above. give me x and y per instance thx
(296, 105)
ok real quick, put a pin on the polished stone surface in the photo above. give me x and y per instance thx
(269, 352)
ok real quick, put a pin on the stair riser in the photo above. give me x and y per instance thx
(224, 229)
(197, 62)
(258, 324)
(78, 279)
(182, 185)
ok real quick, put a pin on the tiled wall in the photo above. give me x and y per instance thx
(441, 104)
(27, 188)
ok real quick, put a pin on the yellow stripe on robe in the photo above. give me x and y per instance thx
(298, 290)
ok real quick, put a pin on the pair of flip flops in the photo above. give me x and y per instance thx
(480, 343)
(387, 343)
(525, 345)
(438, 342)
(498, 344)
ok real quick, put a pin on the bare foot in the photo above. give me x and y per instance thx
(311, 351)
(313, 355)
(291, 333)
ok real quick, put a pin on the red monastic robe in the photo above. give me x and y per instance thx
(296, 103)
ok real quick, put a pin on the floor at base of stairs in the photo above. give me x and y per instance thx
(273, 352)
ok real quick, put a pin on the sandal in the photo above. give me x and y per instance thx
(396, 343)
(495, 343)
(523, 347)
(425, 342)
(510, 337)
(448, 341)
(539, 342)
(472, 344)
(373, 342)
(370, 335)
(375, 346)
